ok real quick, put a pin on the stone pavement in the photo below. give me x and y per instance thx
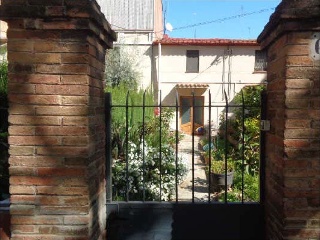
(200, 179)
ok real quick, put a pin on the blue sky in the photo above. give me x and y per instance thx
(218, 18)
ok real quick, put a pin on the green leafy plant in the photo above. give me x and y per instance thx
(147, 174)
(3, 77)
(219, 167)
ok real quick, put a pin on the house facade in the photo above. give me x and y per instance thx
(195, 67)
(137, 24)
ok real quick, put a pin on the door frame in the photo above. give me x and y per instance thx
(187, 127)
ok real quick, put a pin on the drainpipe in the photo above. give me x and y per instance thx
(159, 81)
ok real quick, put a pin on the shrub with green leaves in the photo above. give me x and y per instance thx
(147, 174)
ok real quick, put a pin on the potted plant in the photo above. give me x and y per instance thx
(219, 174)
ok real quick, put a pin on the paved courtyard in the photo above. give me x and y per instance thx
(200, 179)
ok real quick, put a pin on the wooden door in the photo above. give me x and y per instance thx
(191, 109)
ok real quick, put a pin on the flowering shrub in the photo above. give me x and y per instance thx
(147, 174)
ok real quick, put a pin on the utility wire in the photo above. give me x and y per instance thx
(224, 19)
(220, 20)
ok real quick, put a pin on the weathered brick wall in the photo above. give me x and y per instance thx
(293, 144)
(56, 54)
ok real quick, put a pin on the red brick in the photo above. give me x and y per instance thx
(40, 2)
(21, 109)
(62, 151)
(300, 72)
(75, 79)
(301, 133)
(36, 161)
(21, 150)
(21, 68)
(22, 209)
(79, 181)
(34, 237)
(297, 50)
(64, 230)
(76, 220)
(74, 58)
(62, 47)
(36, 220)
(31, 34)
(300, 193)
(302, 233)
(298, 93)
(65, 172)
(35, 181)
(32, 23)
(19, 229)
(299, 60)
(21, 130)
(21, 88)
(62, 191)
(297, 143)
(75, 100)
(35, 99)
(76, 90)
(298, 183)
(76, 69)
(35, 120)
(63, 110)
(24, 190)
(34, 78)
(33, 140)
(300, 103)
(56, 11)
(20, 46)
(297, 123)
(61, 130)
(63, 210)
(75, 141)
(22, 171)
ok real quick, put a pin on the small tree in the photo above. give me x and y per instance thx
(120, 69)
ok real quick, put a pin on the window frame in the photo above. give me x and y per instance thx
(260, 61)
(192, 61)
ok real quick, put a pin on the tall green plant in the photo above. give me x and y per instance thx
(3, 77)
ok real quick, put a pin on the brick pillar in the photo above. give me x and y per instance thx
(293, 144)
(56, 54)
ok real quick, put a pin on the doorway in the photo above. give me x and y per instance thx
(191, 113)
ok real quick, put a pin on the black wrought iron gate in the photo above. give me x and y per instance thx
(194, 220)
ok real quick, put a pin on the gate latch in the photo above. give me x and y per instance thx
(265, 125)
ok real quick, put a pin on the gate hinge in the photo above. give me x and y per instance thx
(265, 125)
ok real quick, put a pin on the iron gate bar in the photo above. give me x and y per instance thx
(160, 144)
(192, 144)
(209, 137)
(242, 140)
(143, 147)
(108, 168)
(227, 106)
(264, 102)
(127, 147)
(226, 151)
(177, 145)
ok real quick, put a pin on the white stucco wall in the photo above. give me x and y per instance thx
(237, 70)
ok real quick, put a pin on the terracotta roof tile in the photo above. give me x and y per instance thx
(206, 41)
(192, 85)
